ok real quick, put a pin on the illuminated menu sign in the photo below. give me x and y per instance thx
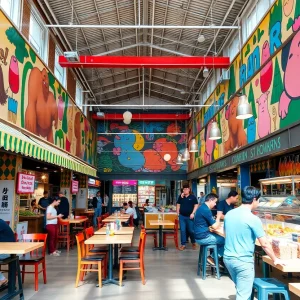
(25, 183)
(124, 182)
(146, 182)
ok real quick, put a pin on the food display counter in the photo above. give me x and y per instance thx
(159, 215)
(35, 223)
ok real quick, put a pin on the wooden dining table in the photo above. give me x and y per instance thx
(110, 241)
(160, 224)
(77, 221)
(123, 218)
(14, 249)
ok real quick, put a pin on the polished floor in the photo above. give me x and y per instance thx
(169, 275)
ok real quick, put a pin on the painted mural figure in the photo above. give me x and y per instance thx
(290, 65)
(237, 136)
(41, 111)
(264, 118)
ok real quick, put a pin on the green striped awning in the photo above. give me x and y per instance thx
(13, 140)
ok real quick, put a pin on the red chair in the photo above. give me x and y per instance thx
(152, 233)
(64, 235)
(100, 223)
(34, 258)
(134, 258)
(172, 234)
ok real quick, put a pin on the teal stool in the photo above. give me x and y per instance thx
(266, 286)
(202, 260)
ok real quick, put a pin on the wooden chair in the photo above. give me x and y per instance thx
(151, 233)
(133, 249)
(85, 260)
(64, 235)
(134, 258)
(34, 258)
(172, 234)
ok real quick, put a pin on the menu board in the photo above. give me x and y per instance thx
(146, 192)
(124, 191)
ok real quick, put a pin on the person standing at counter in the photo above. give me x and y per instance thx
(186, 207)
(44, 202)
(97, 204)
(227, 205)
(242, 228)
(64, 206)
(51, 226)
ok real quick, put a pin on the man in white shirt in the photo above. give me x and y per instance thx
(131, 211)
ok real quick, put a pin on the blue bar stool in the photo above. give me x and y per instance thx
(202, 260)
(266, 286)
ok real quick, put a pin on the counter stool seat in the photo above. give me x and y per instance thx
(266, 286)
(202, 260)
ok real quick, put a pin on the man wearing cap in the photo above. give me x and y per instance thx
(186, 207)
(64, 206)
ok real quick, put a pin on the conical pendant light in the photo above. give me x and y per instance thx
(186, 155)
(179, 159)
(244, 110)
(193, 146)
(215, 132)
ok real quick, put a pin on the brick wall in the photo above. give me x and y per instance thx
(26, 19)
(51, 54)
(71, 83)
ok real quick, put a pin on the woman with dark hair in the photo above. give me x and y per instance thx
(242, 228)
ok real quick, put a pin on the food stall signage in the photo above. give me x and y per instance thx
(25, 184)
(74, 186)
(94, 182)
(124, 182)
(146, 182)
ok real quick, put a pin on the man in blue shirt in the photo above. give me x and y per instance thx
(203, 221)
(225, 206)
(242, 228)
(97, 204)
(201, 198)
(186, 207)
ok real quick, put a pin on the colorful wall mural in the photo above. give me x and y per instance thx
(123, 149)
(267, 72)
(32, 98)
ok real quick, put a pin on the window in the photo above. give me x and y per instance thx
(12, 9)
(59, 71)
(79, 96)
(234, 47)
(38, 34)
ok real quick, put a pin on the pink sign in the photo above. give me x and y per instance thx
(74, 186)
(25, 183)
(124, 182)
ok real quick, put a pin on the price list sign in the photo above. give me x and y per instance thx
(7, 188)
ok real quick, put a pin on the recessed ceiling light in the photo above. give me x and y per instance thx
(45, 168)
(55, 171)
(38, 167)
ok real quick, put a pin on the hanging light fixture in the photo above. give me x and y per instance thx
(215, 132)
(186, 155)
(179, 159)
(127, 121)
(244, 110)
(205, 72)
(127, 115)
(201, 38)
(193, 146)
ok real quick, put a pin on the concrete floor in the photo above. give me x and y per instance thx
(169, 275)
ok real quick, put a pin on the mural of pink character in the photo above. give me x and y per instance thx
(264, 118)
(290, 65)
(209, 145)
(267, 71)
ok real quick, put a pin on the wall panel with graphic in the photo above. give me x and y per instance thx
(267, 72)
(32, 98)
(125, 149)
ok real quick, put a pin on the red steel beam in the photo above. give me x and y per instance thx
(144, 117)
(146, 61)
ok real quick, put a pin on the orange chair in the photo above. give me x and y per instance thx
(151, 233)
(89, 232)
(134, 258)
(34, 258)
(100, 223)
(134, 249)
(172, 234)
(85, 259)
(64, 235)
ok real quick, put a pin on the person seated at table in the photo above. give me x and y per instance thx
(51, 226)
(6, 235)
(227, 205)
(203, 222)
(242, 228)
(131, 211)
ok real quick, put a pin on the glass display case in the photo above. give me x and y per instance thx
(279, 206)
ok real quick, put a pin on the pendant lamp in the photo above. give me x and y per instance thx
(193, 146)
(215, 132)
(179, 159)
(244, 110)
(186, 155)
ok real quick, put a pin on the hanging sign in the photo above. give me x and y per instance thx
(26, 183)
(74, 186)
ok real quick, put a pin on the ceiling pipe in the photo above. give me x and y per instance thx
(151, 105)
(144, 116)
(140, 26)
